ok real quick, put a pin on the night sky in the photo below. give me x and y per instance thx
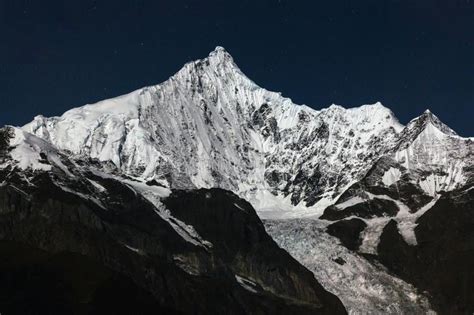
(410, 55)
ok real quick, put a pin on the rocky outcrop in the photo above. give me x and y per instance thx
(348, 232)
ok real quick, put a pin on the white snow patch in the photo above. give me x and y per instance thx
(27, 153)
(350, 202)
(27, 150)
(239, 207)
(154, 194)
(371, 235)
(406, 223)
(186, 265)
(271, 207)
(85, 197)
(246, 284)
(133, 249)
(157, 191)
(433, 183)
(391, 176)
(19, 190)
(98, 186)
(187, 232)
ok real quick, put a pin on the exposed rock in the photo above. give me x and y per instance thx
(369, 209)
(348, 232)
(442, 262)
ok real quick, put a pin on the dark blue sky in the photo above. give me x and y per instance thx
(410, 55)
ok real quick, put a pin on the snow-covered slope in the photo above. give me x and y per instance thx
(211, 126)
(428, 160)
(429, 146)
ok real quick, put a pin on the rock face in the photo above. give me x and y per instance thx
(348, 231)
(196, 252)
(239, 237)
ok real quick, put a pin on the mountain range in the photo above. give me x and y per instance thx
(157, 179)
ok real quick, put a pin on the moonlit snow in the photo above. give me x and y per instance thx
(211, 126)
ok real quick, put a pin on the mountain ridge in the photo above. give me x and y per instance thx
(210, 104)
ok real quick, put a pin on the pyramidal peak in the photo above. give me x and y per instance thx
(427, 124)
(219, 64)
(428, 114)
(219, 56)
(428, 118)
(219, 51)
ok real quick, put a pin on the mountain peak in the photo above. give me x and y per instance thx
(428, 120)
(218, 62)
(219, 50)
(220, 54)
(336, 107)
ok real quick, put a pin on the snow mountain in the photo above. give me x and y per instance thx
(336, 187)
(428, 160)
(211, 126)
(413, 209)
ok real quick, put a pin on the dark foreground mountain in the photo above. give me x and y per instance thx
(74, 239)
